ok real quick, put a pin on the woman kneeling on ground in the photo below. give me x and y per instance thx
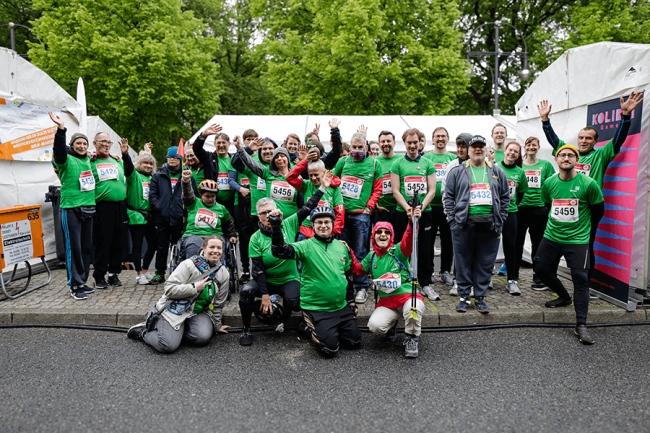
(391, 273)
(191, 308)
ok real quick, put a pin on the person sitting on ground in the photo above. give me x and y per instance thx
(326, 295)
(205, 216)
(191, 308)
(391, 273)
(270, 274)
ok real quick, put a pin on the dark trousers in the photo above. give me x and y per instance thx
(78, 234)
(356, 232)
(474, 254)
(138, 233)
(509, 236)
(164, 236)
(246, 227)
(533, 220)
(290, 292)
(425, 252)
(592, 254)
(388, 216)
(110, 229)
(439, 224)
(329, 328)
(546, 263)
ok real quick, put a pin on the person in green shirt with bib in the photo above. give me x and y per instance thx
(575, 202)
(386, 209)
(517, 187)
(77, 206)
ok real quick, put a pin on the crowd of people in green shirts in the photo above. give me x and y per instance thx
(312, 226)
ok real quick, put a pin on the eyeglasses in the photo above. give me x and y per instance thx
(383, 232)
(265, 213)
(322, 223)
(102, 142)
(566, 156)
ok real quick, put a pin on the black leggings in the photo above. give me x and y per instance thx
(289, 291)
(246, 227)
(329, 328)
(509, 237)
(532, 219)
(138, 233)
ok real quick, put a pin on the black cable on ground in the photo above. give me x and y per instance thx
(425, 329)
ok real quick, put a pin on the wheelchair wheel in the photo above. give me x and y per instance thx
(233, 268)
(174, 256)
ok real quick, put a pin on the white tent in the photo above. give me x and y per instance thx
(584, 86)
(27, 181)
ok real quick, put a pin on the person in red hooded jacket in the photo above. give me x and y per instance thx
(391, 273)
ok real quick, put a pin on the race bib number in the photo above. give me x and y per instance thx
(441, 171)
(222, 182)
(261, 184)
(565, 211)
(86, 181)
(386, 185)
(389, 282)
(145, 190)
(174, 182)
(282, 191)
(534, 178)
(583, 168)
(351, 187)
(415, 184)
(206, 218)
(512, 185)
(107, 171)
(246, 183)
(480, 195)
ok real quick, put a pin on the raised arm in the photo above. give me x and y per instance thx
(544, 109)
(128, 163)
(279, 248)
(626, 110)
(335, 140)
(187, 193)
(245, 158)
(59, 149)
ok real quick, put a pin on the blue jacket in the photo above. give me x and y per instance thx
(167, 206)
(457, 190)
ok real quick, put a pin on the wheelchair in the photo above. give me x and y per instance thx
(175, 257)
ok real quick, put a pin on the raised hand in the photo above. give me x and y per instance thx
(124, 145)
(148, 147)
(544, 109)
(628, 106)
(313, 155)
(326, 180)
(56, 119)
(211, 130)
(187, 175)
(334, 123)
(255, 144)
(237, 142)
(491, 154)
(316, 128)
(302, 152)
(363, 129)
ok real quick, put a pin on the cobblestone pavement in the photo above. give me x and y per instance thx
(127, 305)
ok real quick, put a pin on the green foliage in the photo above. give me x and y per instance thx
(362, 56)
(146, 66)
(17, 12)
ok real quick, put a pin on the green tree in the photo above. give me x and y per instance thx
(240, 61)
(362, 56)
(147, 67)
(17, 12)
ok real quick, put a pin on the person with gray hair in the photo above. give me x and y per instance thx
(138, 209)
(361, 185)
(272, 275)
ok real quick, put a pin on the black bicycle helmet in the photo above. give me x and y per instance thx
(322, 211)
(268, 319)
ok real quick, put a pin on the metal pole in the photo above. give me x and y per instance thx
(13, 37)
(496, 68)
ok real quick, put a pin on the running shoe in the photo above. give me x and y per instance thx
(446, 278)
(559, 302)
(430, 293)
(513, 288)
(101, 283)
(462, 305)
(114, 281)
(539, 287)
(481, 305)
(148, 276)
(583, 335)
(490, 285)
(141, 280)
(391, 335)
(362, 296)
(136, 332)
(246, 338)
(454, 290)
(157, 279)
(411, 346)
(503, 270)
(78, 293)
(87, 289)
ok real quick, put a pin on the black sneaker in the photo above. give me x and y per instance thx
(137, 332)
(87, 289)
(78, 293)
(559, 302)
(114, 281)
(100, 283)
(246, 338)
(391, 335)
(157, 279)
(583, 335)
(245, 277)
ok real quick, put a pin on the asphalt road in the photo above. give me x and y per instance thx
(497, 380)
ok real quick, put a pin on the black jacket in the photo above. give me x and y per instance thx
(167, 206)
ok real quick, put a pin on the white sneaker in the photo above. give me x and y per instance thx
(454, 290)
(142, 280)
(513, 288)
(430, 293)
(436, 251)
(148, 276)
(362, 296)
(280, 327)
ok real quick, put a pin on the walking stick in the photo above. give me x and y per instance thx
(415, 202)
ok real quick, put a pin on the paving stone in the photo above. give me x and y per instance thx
(101, 316)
